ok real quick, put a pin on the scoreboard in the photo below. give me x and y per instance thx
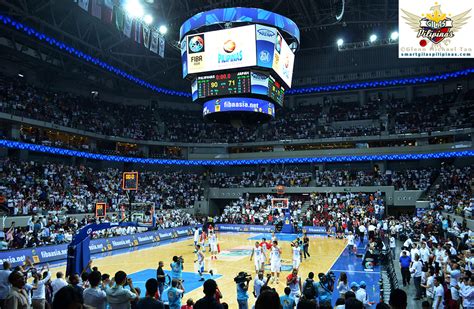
(275, 90)
(223, 84)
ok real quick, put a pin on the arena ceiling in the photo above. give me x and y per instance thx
(64, 20)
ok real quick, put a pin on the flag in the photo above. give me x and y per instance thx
(119, 18)
(154, 41)
(138, 32)
(107, 11)
(162, 47)
(84, 4)
(146, 36)
(96, 8)
(127, 26)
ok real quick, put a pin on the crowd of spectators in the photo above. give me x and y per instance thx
(453, 192)
(409, 179)
(54, 229)
(431, 113)
(335, 211)
(424, 114)
(33, 187)
(287, 178)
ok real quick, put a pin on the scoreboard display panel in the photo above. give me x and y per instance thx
(275, 90)
(130, 181)
(223, 84)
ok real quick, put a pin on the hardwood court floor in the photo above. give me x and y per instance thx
(234, 257)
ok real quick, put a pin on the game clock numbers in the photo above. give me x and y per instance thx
(223, 84)
(275, 90)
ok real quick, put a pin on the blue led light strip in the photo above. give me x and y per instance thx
(95, 156)
(71, 50)
(304, 90)
(382, 83)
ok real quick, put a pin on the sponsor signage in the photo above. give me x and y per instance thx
(264, 228)
(220, 50)
(59, 252)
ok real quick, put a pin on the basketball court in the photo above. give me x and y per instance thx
(140, 263)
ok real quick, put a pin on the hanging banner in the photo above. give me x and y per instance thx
(162, 47)
(154, 41)
(127, 26)
(138, 32)
(146, 36)
(84, 4)
(107, 11)
(96, 8)
(119, 18)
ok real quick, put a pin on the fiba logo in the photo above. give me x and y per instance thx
(264, 56)
(196, 44)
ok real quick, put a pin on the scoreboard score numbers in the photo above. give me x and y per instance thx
(130, 181)
(223, 84)
(238, 83)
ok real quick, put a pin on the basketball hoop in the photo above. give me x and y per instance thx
(280, 189)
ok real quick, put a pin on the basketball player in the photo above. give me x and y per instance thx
(293, 281)
(274, 237)
(213, 245)
(203, 239)
(265, 247)
(259, 259)
(296, 255)
(275, 262)
(200, 262)
(196, 236)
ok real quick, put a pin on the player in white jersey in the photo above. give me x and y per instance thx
(274, 237)
(259, 257)
(200, 262)
(196, 236)
(296, 255)
(275, 261)
(213, 245)
(265, 247)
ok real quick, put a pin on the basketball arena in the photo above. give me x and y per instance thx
(236, 154)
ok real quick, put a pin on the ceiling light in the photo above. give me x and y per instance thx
(148, 19)
(134, 9)
(163, 29)
(394, 36)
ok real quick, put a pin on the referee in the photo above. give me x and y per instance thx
(160, 277)
(306, 246)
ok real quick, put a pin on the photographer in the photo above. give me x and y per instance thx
(324, 289)
(259, 282)
(177, 268)
(118, 296)
(242, 280)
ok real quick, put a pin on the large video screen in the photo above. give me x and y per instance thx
(283, 60)
(221, 50)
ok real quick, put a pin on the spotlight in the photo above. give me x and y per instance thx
(148, 19)
(21, 75)
(394, 36)
(134, 9)
(340, 42)
(373, 38)
(163, 29)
